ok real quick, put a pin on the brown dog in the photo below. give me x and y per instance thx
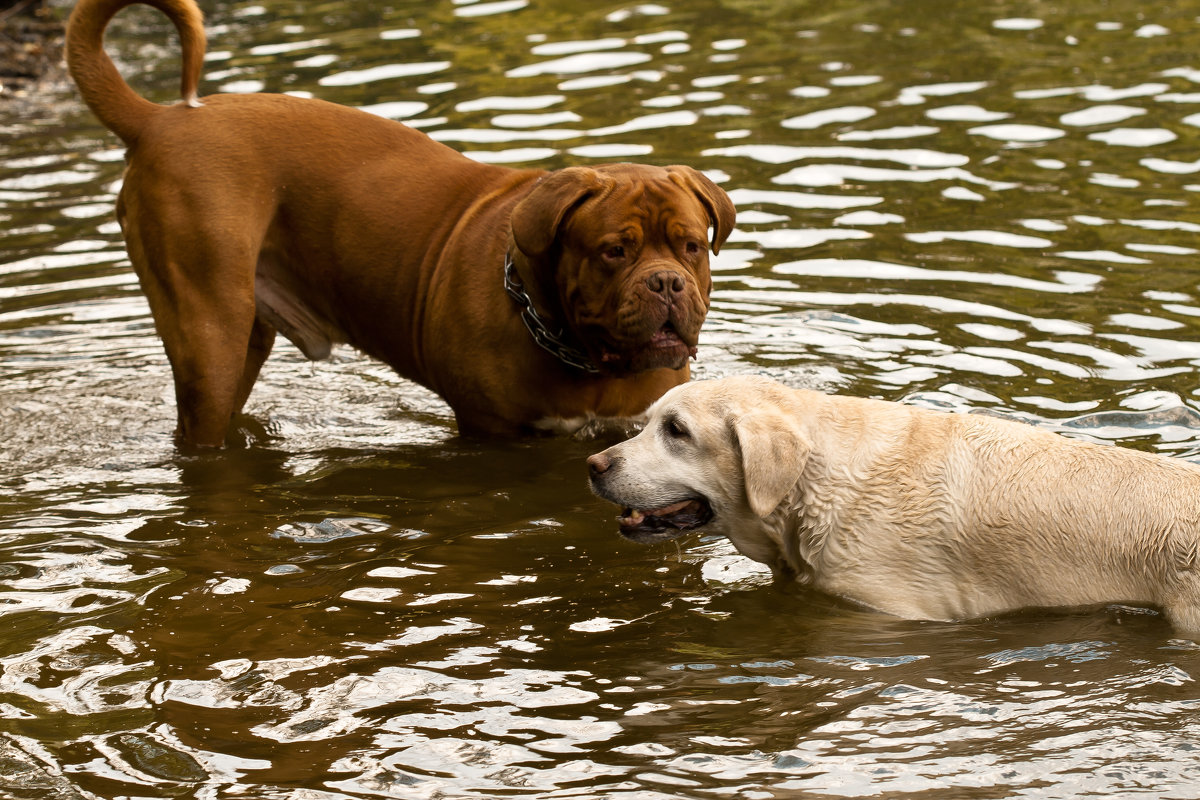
(526, 299)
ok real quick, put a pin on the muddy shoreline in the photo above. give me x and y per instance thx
(31, 48)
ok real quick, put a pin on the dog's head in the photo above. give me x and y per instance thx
(619, 254)
(711, 451)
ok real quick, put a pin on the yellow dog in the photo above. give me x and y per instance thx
(919, 513)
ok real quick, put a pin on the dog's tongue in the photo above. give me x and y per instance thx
(658, 517)
(666, 523)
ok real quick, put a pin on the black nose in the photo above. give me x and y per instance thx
(665, 282)
(599, 464)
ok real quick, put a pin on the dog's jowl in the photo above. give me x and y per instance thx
(919, 513)
(524, 298)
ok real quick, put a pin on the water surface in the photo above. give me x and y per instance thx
(970, 206)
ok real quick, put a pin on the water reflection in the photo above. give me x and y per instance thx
(974, 208)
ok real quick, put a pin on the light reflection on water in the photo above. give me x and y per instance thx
(963, 207)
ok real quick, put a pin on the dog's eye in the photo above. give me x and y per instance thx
(692, 248)
(615, 253)
(676, 430)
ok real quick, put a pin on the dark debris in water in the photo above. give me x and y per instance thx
(26, 775)
(31, 46)
(330, 530)
(1183, 416)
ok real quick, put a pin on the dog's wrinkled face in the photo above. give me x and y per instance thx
(711, 452)
(622, 252)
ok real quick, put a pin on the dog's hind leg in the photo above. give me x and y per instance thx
(201, 295)
(262, 339)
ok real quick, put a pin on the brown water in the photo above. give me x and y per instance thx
(959, 204)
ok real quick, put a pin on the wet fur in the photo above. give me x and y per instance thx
(248, 216)
(919, 513)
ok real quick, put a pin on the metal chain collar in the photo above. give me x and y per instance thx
(551, 342)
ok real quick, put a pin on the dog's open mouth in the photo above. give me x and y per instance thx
(666, 336)
(668, 522)
(666, 348)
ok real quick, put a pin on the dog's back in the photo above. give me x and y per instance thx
(964, 515)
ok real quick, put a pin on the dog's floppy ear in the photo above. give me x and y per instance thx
(721, 212)
(536, 219)
(773, 452)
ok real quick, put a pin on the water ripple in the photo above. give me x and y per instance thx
(383, 73)
(879, 270)
(580, 63)
(356, 601)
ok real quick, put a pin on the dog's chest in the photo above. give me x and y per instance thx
(589, 427)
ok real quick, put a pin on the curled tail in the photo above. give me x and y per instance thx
(106, 93)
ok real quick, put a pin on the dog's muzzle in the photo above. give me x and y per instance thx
(649, 525)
